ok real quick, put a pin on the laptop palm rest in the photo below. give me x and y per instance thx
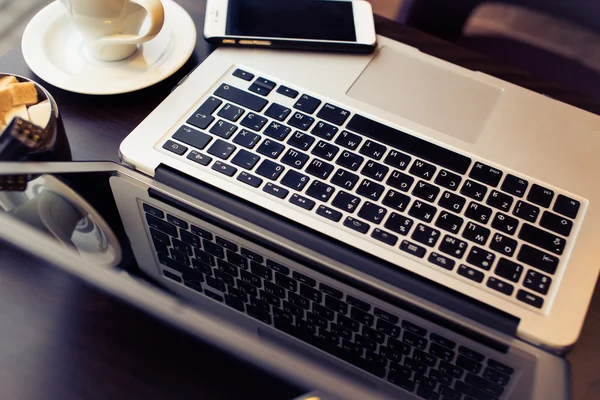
(427, 94)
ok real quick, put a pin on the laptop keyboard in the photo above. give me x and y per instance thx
(377, 341)
(480, 223)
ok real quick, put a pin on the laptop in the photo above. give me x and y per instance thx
(476, 185)
(315, 312)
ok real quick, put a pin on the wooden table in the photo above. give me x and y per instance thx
(61, 339)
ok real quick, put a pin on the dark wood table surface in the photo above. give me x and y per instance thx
(61, 339)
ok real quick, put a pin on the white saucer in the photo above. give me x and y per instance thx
(54, 51)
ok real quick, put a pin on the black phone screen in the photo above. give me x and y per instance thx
(293, 19)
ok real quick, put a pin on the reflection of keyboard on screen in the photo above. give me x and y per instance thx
(347, 327)
(479, 223)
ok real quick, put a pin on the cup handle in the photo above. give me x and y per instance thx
(156, 13)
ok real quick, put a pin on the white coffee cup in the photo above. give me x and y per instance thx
(111, 28)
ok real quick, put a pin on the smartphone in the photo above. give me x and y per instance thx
(329, 25)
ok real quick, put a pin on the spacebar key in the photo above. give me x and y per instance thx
(410, 144)
(240, 97)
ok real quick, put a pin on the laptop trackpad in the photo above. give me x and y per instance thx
(426, 94)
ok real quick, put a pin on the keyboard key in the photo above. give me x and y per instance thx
(478, 212)
(301, 140)
(400, 181)
(484, 385)
(537, 282)
(345, 201)
(414, 328)
(286, 91)
(441, 261)
(396, 200)
(252, 255)
(468, 364)
(473, 392)
(275, 266)
(325, 150)
(453, 246)
(192, 137)
(412, 248)
(399, 224)
(344, 179)
(374, 170)
(426, 191)
(324, 130)
(422, 170)
(452, 202)
(213, 295)
(505, 223)
(237, 260)
(566, 206)
(223, 129)
(254, 122)
(270, 148)
(398, 160)
(265, 83)
(202, 117)
(384, 237)
(422, 211)
(424, 358)
(336, 305)
(530, 298)
(449, 222)
(224, 168)
(402, 381)
(499, 200)
(486, 174)
(373, 150)
(333, 114)
(426, 235)
(414, 340)
(498, 366)
(320, 191)
(246, 139)
(538, 259)
(350, 160)
(199, 158)
(540, 195)
(307, 103)
(442, 340)
(182, 247)
(388, 328)
(441, 352)
(301, 121)
(245, 159)
(556, 223)
(370, 189)
(452, 370)
(473, 190)
(221, 149)
(213, 249)
(448, 179)
(275, 190)
(471, 353)
(260, 89)
(514, 185)
(372, 212)
(261, 271)
(226, 243)
(231, 112)
(247, 76)
(331, 291)
(277, 131)
(481, 258)
(364, 342)
(470, 273)
(348, 323)
(500, 286)
(294, 180)
(174, 147)
(161, 225)
(277, 111)
(302, 202)
(329, 213)
(285, 282)
(361, 316)
(348, 140)
(495, 377)
(526, 211)
(543, 239)
(319, 169)
(153, 211)
(269, 169)
(356, 225)
(476, 233)
(503, 244)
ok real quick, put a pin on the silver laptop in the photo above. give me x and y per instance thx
(469, 182)
(318, 313)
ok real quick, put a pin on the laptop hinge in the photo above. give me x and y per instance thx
(353, 258)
